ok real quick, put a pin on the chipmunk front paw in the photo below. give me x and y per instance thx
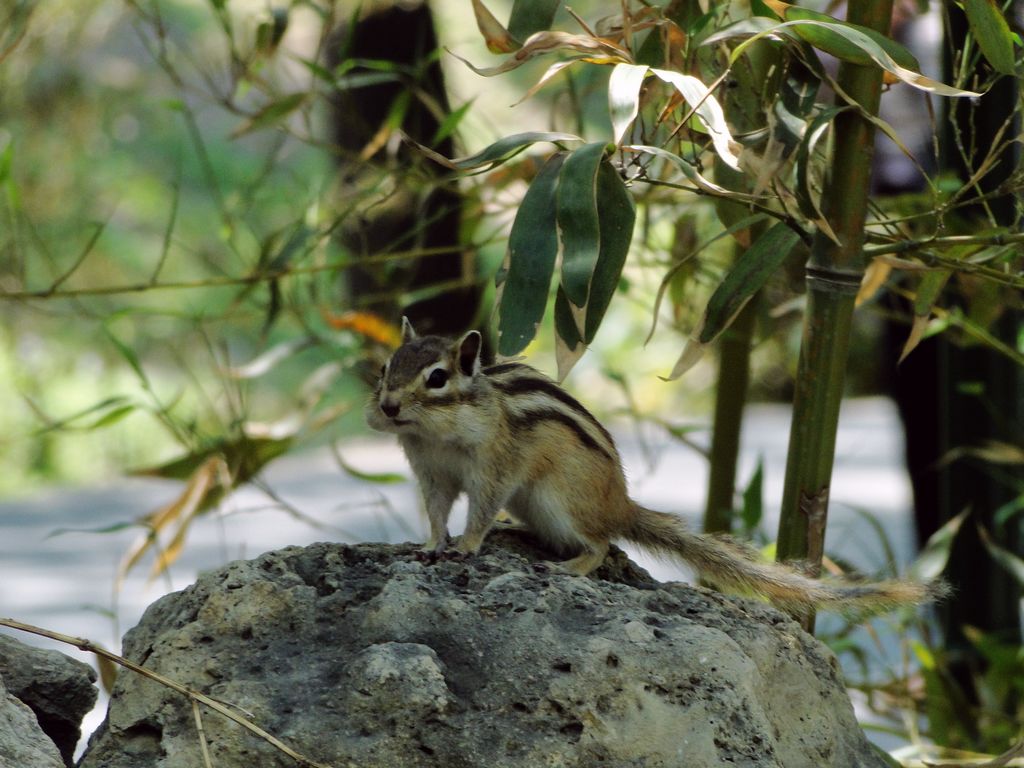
(432, 550)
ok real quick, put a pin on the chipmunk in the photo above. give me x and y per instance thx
(509, 437)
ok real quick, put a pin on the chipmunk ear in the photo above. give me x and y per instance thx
(408, 332)
(469, 352)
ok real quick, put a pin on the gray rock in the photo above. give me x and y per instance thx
(58, 689)
(363, 656)
(22, 741)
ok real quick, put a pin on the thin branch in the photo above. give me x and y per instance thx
(902, 246)
(228, 280)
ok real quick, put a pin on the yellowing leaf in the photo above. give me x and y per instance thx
(708, 111)
(108, 673)
(551, 71)
(204, 489)
(875, 275)
(692, 353)
(368, 325)
(917, 330)
(595, 48)
(496, 37)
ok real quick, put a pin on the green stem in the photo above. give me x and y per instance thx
(731, 397)
(833, 276)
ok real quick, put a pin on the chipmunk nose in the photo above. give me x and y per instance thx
(390, 408)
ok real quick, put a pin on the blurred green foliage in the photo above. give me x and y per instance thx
(120, 172)
(167, 204)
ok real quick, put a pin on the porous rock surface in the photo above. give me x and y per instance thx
(58, 690)
(365, 656)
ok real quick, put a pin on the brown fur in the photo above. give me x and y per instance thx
(509, 437)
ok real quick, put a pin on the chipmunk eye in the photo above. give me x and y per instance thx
(437, 378)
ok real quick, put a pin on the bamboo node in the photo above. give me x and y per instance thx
(833, 280)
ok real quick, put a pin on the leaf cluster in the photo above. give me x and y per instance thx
(709, 104)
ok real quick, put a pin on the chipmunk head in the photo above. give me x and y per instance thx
(424, 383)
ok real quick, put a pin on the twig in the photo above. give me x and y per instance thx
(202, 734)
(260, 276)
(195, 696)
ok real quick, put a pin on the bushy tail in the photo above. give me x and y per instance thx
(730, 564)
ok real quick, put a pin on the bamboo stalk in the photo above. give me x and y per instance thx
(753, 77)
(833, 277)
(730, 401)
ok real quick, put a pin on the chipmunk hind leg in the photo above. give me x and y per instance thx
(545, 512)
(584, 563)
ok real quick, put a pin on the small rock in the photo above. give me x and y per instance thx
(22, 741)
(58, 689)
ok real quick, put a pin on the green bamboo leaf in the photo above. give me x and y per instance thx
(753, 268)
(748, 276)
(450, 123)
(832, 37)
(270, 32)
(880, 55)
(272, 114)
(616, 216)
(993, 34)
(624, 97)
(1008, 560)
(1008, 510)
(666, 281)
(129, 355)
(933, 558)
(111, 409)
(506, 147)
(577, 219)
(383, 478)
(113, 528)
(753, 501)
(795, 107)
(530, 261)
(245, 456)
(569, 346)
(849, 42)
(318, 71)
(807, 201)
(529, 16)
(111, 417)
(6, 161)
(756, 26)
(928, 291)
